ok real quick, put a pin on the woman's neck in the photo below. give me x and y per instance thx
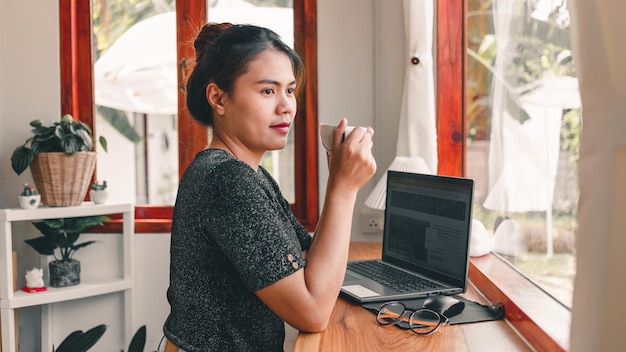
(236, 150)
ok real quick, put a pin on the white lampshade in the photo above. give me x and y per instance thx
(376, 199)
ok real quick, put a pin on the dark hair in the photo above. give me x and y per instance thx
(223, 53)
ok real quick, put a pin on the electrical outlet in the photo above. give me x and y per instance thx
(372, 221)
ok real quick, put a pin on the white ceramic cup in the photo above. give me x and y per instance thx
(326, 133)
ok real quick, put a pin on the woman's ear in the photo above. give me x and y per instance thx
(215, 96)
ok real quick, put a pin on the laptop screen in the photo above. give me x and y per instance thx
(427, 224)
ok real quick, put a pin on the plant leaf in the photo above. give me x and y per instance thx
(69, 340)
(70, 237)
(48, 227)
(70, 144)
(54, 223)
(84, 126)
(81, 223)
(81, 245)
(59, 131)
(120, 122)
(43, 245)
(44, 132)
(46, 144)
(36, 123)
(81, 342)
(21, 159)
(138, 341)
(103, 143)
(67, 118)
(86, 137)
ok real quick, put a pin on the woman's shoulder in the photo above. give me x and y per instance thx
(219, 166)
(209, 161)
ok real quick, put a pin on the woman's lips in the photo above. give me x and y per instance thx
(282, 127)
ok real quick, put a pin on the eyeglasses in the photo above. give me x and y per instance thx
(422, 321)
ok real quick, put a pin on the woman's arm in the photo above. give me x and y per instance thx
(306, 298)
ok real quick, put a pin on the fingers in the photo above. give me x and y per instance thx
(359, 132)
(369, 132)
(338, 134)
(364, 135)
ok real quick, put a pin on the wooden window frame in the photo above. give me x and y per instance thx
(77, 98)
(450, 100)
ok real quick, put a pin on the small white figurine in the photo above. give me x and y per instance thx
(34, 278)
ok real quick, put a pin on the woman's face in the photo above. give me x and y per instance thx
(260, 111)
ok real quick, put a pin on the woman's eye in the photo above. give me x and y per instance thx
(291, 90)
(268, 91)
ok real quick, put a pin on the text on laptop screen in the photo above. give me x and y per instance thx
(427, 223)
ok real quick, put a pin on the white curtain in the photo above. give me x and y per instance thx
(417, 133)
(598, 309)
(524, 150)
(416, 149)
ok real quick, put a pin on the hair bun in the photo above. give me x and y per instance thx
(207, 37)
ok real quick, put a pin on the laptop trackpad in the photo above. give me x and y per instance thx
(352, 286)
(359, 291)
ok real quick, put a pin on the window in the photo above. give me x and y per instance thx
(467, 112)
(538, 61)
(78, 99)
(523, 122)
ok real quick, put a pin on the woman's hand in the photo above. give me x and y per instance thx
(351, 163)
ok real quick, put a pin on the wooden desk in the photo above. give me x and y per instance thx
(352, 328)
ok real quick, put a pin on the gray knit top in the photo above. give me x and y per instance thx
(232, 234)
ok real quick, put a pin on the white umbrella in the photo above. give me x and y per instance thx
(138, 72)
(278, 19)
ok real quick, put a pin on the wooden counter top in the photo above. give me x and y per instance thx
(353, 328)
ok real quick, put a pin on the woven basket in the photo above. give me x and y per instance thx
(62, 179)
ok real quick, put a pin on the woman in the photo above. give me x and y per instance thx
(238, 268)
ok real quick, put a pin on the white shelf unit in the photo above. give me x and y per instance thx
(11, 300)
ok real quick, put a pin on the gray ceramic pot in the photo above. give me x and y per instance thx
(64, 274)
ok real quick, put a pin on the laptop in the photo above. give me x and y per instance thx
(426, 237)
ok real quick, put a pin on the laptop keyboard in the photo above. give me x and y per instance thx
(393, 277)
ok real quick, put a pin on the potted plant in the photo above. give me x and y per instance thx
(30, 197)
(98, 193)
(61, 160)
(59, 240)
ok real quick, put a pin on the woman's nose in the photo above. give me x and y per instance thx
(286, 104)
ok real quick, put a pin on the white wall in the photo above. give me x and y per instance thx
(360, 68)
(29, 89)
(29, 80)
(360, 65)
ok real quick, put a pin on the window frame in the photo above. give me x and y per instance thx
(450, 77)
(77, 98)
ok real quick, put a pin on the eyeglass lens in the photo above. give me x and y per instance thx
(390, 313)
(421, 321)
(424, 321)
